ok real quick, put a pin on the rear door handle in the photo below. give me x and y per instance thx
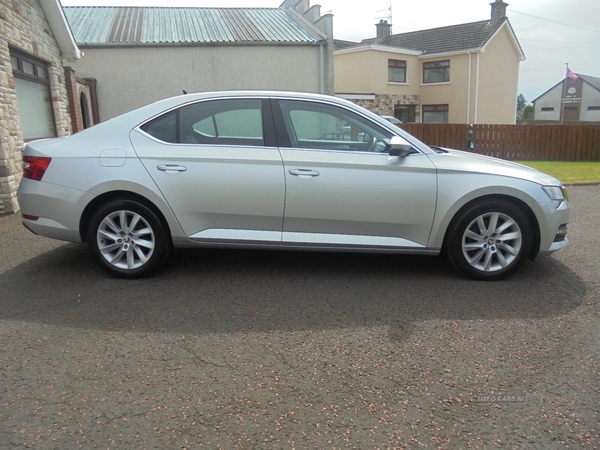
(171, 168)
(304, 173)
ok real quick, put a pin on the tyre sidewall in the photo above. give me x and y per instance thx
(161, 249)
(464, 219)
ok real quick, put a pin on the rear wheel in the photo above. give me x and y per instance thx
(127, 239)
(489, 240)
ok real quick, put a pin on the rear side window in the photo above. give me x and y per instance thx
(164, 128)
(217, 122)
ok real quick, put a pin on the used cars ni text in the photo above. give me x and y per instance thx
(282, 170)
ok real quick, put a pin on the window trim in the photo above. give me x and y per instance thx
(45, 81)
(269, 137)
(436, 65)
(283, 131)
(398, 64)
(437, 108)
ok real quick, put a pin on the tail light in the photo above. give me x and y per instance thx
(34, 167)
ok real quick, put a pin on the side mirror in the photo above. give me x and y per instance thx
(401, 148)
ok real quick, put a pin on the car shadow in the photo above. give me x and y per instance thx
(240, 291)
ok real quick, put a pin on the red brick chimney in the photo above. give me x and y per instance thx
(498, 11)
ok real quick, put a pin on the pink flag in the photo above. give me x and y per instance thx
(572, 75)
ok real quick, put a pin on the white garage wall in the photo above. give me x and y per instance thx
(132, 77)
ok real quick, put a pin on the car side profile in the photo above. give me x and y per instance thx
(282, 170)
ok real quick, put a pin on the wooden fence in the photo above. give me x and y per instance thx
(515, 142)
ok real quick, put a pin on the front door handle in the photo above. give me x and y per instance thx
(171, 168)
(304, 173)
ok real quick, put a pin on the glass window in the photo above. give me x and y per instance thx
(34, 109)
(163, 128)
(28, 68)
(396, 71)
(314, 125)
(42, 72)
(32, 89)
(15, 62)
(436, 72)
(226, 122)
(435, 113)
(406, 113)
(218, 122)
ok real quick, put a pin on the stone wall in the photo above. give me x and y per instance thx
(23, 26)
(384, 104)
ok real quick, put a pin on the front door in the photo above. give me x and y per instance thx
(343, 188)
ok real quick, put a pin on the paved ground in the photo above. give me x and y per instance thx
(232, 349)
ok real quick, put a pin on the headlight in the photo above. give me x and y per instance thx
(558, 194)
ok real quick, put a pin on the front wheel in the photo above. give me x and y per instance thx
(127, 239)
(489, 240)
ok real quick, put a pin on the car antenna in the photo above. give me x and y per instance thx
(184, 91)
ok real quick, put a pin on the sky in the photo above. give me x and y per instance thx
(552, 33)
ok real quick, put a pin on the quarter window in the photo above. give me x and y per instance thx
(436, 72)
(435, 113)
(32, 88)
(396, 71)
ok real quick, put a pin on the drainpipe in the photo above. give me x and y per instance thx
(477, 88)
(321, 68)
(469, 90)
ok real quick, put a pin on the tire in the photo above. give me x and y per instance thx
(127, 239)
(489, 240)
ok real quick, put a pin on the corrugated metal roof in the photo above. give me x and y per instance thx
(151, 26)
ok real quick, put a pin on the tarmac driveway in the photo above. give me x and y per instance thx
(251, 349)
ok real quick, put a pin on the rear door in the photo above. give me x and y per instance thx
(218, 167)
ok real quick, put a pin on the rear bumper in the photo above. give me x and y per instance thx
(56, 208)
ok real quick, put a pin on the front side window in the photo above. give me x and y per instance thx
(216, 122)
(436, 72)
(435, 113)
(312, 125)
(32, 88)
(396, 71)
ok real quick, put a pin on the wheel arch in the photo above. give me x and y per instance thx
(533, 221)
(99, 200)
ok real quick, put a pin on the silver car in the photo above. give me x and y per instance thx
(282, 170)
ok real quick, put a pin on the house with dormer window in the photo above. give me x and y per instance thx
(466, 73)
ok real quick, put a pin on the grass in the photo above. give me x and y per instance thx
(568, 172)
